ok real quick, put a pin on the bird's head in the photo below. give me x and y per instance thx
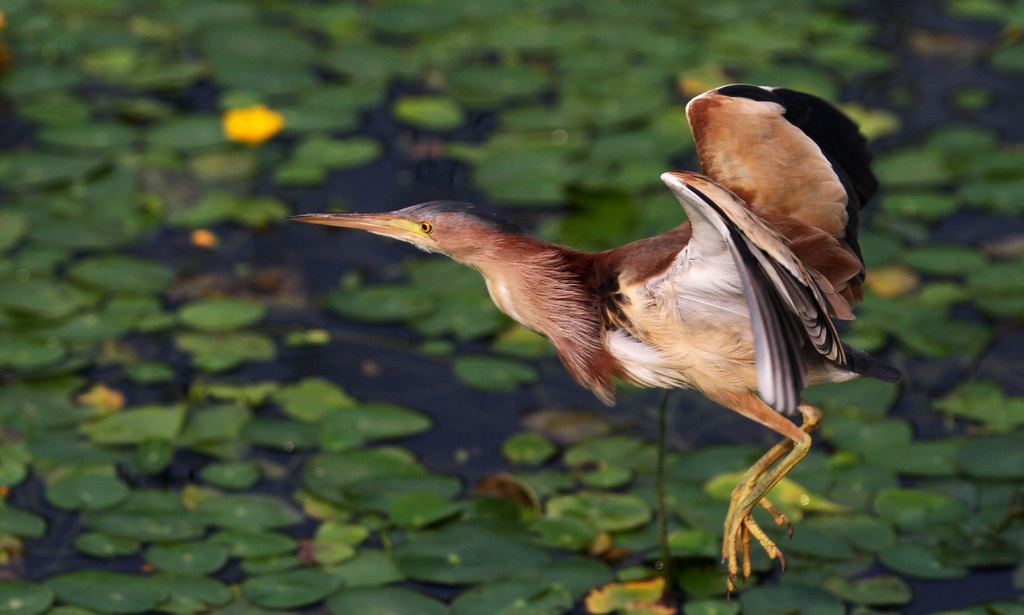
(461, 231)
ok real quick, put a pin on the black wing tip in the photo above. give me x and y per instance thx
(864, 364)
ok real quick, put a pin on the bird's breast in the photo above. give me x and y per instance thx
(684, 337)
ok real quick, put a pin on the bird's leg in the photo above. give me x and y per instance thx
(758, 480)
(666, 554)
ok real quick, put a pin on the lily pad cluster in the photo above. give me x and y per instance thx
(159, 452)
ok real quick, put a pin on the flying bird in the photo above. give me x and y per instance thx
(738, 301)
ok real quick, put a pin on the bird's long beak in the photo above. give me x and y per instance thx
(387, 224)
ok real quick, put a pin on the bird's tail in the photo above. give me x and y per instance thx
(864, 364)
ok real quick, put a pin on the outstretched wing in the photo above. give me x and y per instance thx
(787, 309)
(786, 153)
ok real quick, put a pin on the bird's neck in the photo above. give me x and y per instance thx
(531, 280)
(544, 287)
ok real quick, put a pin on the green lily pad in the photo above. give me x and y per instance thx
(985, 402)
(493, 373)
(462, 553)
(876, 591)
(191, 593)
(21, 522)
(380, 303)
(13, 225)
(43, 299)
(136, 425)
(186, 133)
(945, 260)
(216, 352)
(417, 510)
(24, 598)
(289, 590)
(369, 568)
(154, 455)
(535, 597)
(122, 273)
(254, 545)
(188, 558)
(147, 525)
(919, 562)
(528, 448)
(996, 457)
(354, 425)
(384, 601)
(271, 565)
(231, 474)
(570, 533)
(87, 490)
(214, 424)
(612, 512)
(281, 434)
(106, 592)
(338, 154)
(97, 544)
(312, 399)
(221, 314)
(915, 510)
(247, 511)
(430, 112)
(336, 542)
(784, 599)
(93, 136)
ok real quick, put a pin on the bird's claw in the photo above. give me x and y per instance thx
(736, 545)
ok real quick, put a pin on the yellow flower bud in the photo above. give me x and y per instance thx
(252, 125)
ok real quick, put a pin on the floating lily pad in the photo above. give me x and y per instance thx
(106, 592)
(336, 542)
(384, 601)
(312, 399)
(231, 475)
(564, 532)
(535, 597)
(254, 545)
(528, 448)
(381, 303)
(97, 544)
(191, 593)
(369, 568)
(878, 590)
(247, 511)
(466, 553)
(352, 426)
(215, 352)
(21, 522)
(612, 512)
(289, 590)
(788, 598)
(148, 526)
(919, 562)
(24, 598)
(43, 299)
(493, 373)
(188, 558)
(993, 457)
(221, 314)
(430, 112)
(417, 510)
(280, 433)
(87, 490)
(13, 225)
(136, 425)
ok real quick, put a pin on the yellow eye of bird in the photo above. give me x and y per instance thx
(426, 227)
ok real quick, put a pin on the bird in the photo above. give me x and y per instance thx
(738, 301)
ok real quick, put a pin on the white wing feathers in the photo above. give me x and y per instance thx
(787, 309)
